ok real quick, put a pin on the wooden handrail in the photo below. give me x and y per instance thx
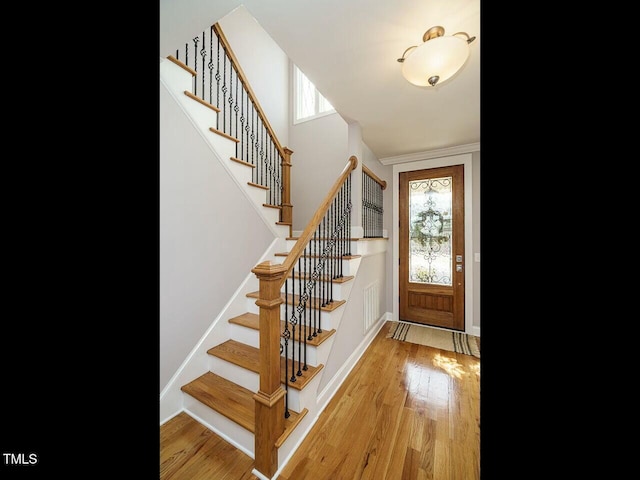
(308, 232)
(245, 82)
(379, 181)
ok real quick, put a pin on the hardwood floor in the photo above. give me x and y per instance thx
(406, 412)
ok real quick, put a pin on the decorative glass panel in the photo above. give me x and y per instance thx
(430, 206)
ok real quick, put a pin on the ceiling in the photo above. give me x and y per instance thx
(349, 50)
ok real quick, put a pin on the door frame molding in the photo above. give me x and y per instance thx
(463, 159)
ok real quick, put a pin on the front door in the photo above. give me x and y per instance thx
(432, 246)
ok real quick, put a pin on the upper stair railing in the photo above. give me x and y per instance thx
(372, 200)
(307, 274)
(219, 80)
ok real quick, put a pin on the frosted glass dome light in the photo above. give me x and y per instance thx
(437, 59)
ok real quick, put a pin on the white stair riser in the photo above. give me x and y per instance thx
(258, 196)
(325, 317)
(317, 292)
(235, 373)
(349, 266)
(360, 247)
(319, 245)
(298, 399)
(246, 335)
(250, 336)
(241, 172)
(316, 355)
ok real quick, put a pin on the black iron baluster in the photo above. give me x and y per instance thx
(210, 65)
(300, 293)
(308, 304)
(195, 65)
(252, 136)
(349, 205)
(324, 265)
(341, 204)
(259, 146)
(224, 90)
(203, 54)
(230, 101)
(294, 321)
(314, 303)
(236, 109)
(218, 83)
(286, 350)
(364, 203)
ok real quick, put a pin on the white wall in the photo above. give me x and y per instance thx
(320, 153)
(265, 65)
(384, 172)
(205, 248)
(350, 332)
(181, 20)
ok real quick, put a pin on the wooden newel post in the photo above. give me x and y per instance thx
(287, 208)
(270, 397)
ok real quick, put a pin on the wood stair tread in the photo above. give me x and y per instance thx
(344, 257)
(225, 397)
(257, 185)
(222, 134)
(318, 239)
(242, 162)
(201, 101)
(248, 357)
(252, 320)
(343, 279)
(234, 402)
(294, 300)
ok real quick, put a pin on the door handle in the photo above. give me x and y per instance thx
(458, 268)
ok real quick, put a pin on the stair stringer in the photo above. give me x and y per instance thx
(176, 80)
(198, 361)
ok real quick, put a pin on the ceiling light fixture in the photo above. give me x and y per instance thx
(437, 59)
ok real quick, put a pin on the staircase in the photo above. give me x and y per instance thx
(219, 381)
(223, 396)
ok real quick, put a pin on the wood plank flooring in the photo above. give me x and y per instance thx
(406, 412)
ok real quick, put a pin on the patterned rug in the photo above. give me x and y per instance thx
(432, 337)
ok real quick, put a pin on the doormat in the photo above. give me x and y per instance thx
(432, 337)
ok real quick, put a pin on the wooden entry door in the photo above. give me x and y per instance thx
(432, 246)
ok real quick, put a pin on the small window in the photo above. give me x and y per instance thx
(308, 102)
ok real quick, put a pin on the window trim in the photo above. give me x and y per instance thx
(296, 120)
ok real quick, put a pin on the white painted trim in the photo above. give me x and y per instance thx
(220, 433)
(262, 477)
(465, 160)
(178, 412)
(431, 154)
